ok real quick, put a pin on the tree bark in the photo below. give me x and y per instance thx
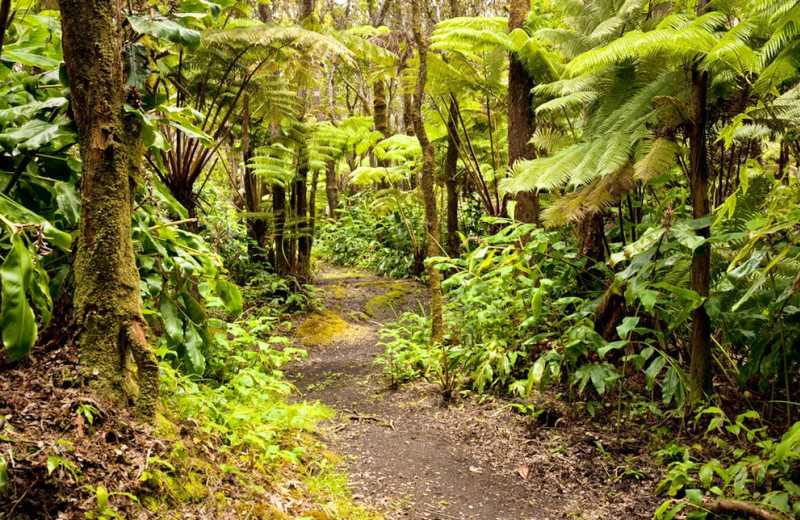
(451, 167)
(520, 116)
(108, 304)
(332, 190)
(302, 267)
(379, 107)
(700, 372)
(427, 182)
(451, 183)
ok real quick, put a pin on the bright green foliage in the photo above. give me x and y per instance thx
(408, 355)
(181, 278)
(245, 405)
(747, 464)
(382, 236)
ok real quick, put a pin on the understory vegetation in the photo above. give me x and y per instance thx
(600, 195)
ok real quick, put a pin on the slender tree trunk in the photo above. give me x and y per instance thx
(700, 373)
(408, 118)
(332, 190)
(451, 183)
(451, 166)
(331, 186)
(108, 305)
(282, 264)
(520, 115)
(303, 266)
(428, 193)
(379, 107)
(312, 220)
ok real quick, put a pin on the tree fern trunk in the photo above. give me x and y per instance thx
(520, 115)
(700, 374)
(108, 305)
(451, 166)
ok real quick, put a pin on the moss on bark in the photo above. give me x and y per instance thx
(114, 354)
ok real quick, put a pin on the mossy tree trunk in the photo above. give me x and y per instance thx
(700, 374)
(427, 181)
(107, 302)
(520, 115)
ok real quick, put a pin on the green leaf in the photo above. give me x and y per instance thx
(52, 463)
(648, 298)
(172, 322)
(653, 370)
(16, 315)
(166, 29)
(31, 60)
(628, 324)
(706, 474)
(683, 294)
(40, 294)
(695, 496)
(19, 214)
(536, 304)
(194, 345)
(138, 65)
(102, 498)
(231, 296)
(68, 203)
(4, 480)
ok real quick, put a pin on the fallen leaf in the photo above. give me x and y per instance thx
(475, 470)
(523, 471)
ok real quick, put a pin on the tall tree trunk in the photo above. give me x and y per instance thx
(428, 193)
(381, 118)
(451, 166)
(700, 374)
(108, 305)
(451, 183)
(331, 185)
(303, 266)
(520, 115)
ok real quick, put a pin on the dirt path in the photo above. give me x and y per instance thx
(412, 458)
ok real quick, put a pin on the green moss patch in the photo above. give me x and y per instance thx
(395, 295)
(321, 328)
(337, 291)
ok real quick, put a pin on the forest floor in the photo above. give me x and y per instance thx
(410, 456)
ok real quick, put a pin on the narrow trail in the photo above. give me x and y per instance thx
(410, 457)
